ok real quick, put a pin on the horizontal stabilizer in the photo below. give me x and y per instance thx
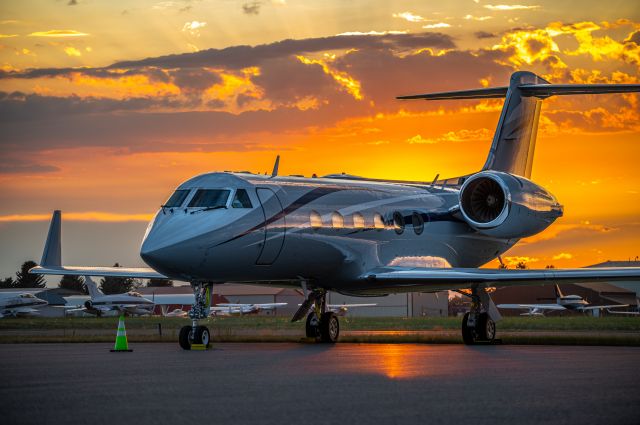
(528, 90)
(546, 90)
(486, 93)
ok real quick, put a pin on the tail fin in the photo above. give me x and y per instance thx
(558, 292)
(515, 137)
(93, 289)
(52, 255)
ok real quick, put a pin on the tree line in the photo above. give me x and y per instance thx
(108, 285)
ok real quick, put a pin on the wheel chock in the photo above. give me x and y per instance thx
(198, 347)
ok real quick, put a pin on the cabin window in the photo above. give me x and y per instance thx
(418, 223)
(241, 200)
(210, 198)
(378, 221)
(398, 222)
(358, 221)
(337, 221)
(315, 219)
(177, 198)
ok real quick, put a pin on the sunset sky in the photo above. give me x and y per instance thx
(106, 106)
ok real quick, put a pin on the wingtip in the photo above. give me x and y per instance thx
(52, 254)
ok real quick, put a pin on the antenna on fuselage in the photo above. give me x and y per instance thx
(275, 167)
(435, 179)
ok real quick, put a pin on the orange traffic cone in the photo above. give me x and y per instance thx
(121, 338)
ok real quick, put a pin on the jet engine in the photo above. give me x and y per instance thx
(507, 206)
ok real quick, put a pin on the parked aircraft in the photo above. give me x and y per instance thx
(178, 312)
(228, 309)
(563, 302)
(342, 309)
(100, 304)
(361, 236)
(20, 305)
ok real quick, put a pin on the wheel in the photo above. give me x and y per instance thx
(184, 337)
(201, 336)
(329, 327)
(312, 327)
(468, 333)
(486, 328)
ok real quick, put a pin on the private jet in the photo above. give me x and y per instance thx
(362, 236)
(131, 303)
(563, 303)
(20, 305)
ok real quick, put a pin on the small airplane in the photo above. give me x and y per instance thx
(178, 312)
(341, 309)
(563, 302)
(362, 236)
(228, 309)
(100, 304)
(20, 305)
(628, 313)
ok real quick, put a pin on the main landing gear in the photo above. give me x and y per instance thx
(196, 334)
(479, 324)
(321, 325)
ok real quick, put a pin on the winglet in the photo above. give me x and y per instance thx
(52, 255)
(275, 167)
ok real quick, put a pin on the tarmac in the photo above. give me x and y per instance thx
(288, 383)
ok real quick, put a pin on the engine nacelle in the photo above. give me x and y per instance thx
(506, 206)
(88, 304)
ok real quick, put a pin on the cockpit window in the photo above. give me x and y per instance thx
(177, 198)
(241, 200)
(134, 294)
(27, 296)
(210, 198)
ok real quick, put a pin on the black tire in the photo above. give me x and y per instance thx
(202, 336)
(183, 338)
(329, 328)
(486, 328)
(312, 326)
(468, 334)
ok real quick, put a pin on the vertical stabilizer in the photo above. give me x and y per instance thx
(558, 292)
(514, 141)
(92, 288)
(52, 255)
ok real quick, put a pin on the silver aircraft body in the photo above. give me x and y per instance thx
(100, 304)
(360, 236)
(20, 305)
(563, 303)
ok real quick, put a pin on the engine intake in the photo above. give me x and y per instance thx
(507, 206)
(483, 200)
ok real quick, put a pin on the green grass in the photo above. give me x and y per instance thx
(265, 323)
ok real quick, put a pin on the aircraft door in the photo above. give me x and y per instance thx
(274, 226)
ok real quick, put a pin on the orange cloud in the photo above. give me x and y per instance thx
(79, 216)
(58, 33)
(351, 85)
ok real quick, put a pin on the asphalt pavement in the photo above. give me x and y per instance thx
(318, 384)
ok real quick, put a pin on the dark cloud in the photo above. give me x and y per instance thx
(21, 107)
(238, 57)
(194, 80)
(22, 166)
(72, 3)
(251, 8)
(484, 34)
(634, 37)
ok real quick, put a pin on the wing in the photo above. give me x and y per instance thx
(133, 272)
(596, 307)
(632, 313)
(531, 306)
(51, 263)
(408, 279)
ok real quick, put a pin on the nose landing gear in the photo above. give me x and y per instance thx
(196, 334)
